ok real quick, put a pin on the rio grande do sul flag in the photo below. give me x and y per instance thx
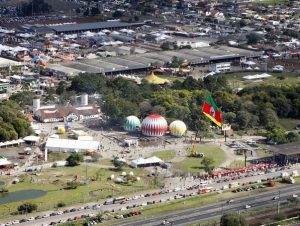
(211, 111)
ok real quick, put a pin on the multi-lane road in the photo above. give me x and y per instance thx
(180, 217)
(217, 209)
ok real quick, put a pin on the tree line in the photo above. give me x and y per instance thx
(13, 125)
(253, 107)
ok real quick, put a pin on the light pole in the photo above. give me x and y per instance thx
(278, 202)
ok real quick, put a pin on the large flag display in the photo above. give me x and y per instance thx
(211, 110)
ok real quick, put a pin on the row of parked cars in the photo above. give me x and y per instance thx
(248, 188)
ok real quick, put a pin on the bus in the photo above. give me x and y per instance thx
(119, 200)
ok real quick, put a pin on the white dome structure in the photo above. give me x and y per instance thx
(177, 128)
(132, 123)
(154, 125)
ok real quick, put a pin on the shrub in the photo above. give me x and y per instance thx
(61, 204)
(27, 207)
(72, 185)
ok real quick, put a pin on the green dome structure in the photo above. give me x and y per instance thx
(132, 123)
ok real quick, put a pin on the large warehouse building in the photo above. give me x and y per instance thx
(144, 61)
(94, 27)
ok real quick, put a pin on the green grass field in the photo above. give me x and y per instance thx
(271, 2)
(288, 124)
(193, 165)
(236, 80)
(165, 155)
(56, 156)
(54, 180)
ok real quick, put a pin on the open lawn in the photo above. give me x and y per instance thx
(106, 162)
(54, 180)
(56, 156)
(271, 2)
(165, 155)
(193, 165)
(236, 79)
(288, 123)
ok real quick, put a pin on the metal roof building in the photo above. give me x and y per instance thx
(96, 26)
(143, 61)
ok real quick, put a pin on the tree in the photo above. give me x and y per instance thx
(243, 23)
(243, 118)
(61, 204)
(61, 87)
(233, 219)
(253, 38)
(277, 135)
(118, 164)
(27, 207)
(95, 11)
(74, 159)
(165, 46)
(117, 14)
(208, 164)
(34, 7)
(88, 83)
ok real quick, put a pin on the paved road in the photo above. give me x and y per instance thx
(117, 207)
(216, 210)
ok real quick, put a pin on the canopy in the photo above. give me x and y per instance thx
(152, 78)
(145, 162)
(53, 144)
(243, 169)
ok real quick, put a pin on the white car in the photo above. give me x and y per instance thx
(30, 219)
(16, 222)
(230, 201)
(60, 212)
(165, 222)
(46, 215)
(295, 196)
(247, 206)
(275, 197)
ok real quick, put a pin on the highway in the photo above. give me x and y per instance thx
(117, 207)
(216, 210)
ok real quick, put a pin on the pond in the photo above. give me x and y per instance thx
(20, 195)
(1, 183)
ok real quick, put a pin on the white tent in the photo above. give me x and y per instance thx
(140, 162)
(31, 139)
(4, 161)
(57, 145)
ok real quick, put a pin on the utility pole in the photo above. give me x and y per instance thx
(278, 202)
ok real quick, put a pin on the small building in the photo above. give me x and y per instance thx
(286, 153)
(65, 113)
(220, 67)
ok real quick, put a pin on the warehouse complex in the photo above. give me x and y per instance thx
(143, 61)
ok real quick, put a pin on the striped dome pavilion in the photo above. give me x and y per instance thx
(154, 125)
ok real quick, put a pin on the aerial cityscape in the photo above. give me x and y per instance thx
(147, 113)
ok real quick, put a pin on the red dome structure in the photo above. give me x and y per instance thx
(154, 125)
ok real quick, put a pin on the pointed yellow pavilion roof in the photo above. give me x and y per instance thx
(152, 78)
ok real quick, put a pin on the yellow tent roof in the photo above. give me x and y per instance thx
(152, 78)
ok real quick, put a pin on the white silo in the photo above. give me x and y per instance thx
(36, 104)
(84, 99)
